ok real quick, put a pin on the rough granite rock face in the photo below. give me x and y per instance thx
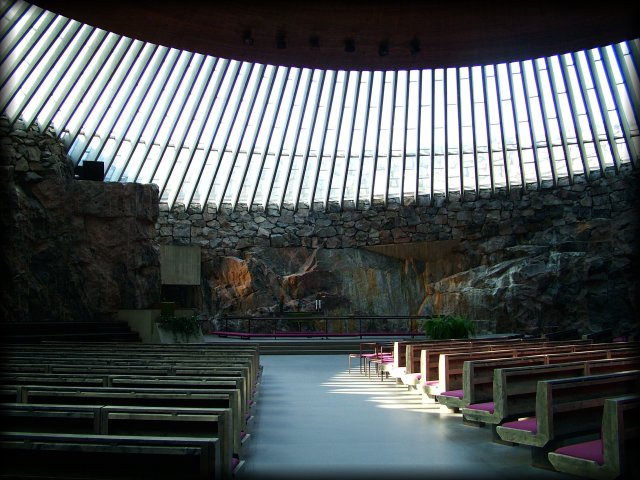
(72, 249)
(582, 276)
(346, 280)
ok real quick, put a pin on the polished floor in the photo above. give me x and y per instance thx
(313, 419)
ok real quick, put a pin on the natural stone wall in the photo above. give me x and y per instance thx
(71, 249)
(558, 257)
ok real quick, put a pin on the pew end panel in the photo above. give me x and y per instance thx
(29, 455)
(613, 454)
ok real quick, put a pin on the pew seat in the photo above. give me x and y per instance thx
(611, 455)
(48, 455)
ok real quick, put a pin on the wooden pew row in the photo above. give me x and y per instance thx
(125, 351)
(451, 366)
(54, 357)
(566, 411)
(82, 379)
(231, 370)
(408, 367)
(430, 379)
(421, 368)
(138, 365)
(37, 455)
(399, 363)
(125, 420)
(136, 396)
(514, 389)
(403, 351)
(613, 454)
(408, 355)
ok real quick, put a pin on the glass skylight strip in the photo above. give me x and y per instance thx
(218, 131)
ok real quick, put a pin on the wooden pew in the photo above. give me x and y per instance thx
(36, 455)
(148, 397)
(139, 367)
(613, 454)
(113, 353)
(567, 409)
(125, 420)
(452, 370)
(514, 389)
(427, 370)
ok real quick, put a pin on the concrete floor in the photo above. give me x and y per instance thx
(312, 419)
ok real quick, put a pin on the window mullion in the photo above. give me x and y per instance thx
(223, 145)
(320, 154)
(170, 86)
(207, 148)
(364, 138)
(334, 155)
(27, 45)
(270, 129)
(198, 92)
(574, 112)
(172, 56)
(104, 102)
(591, 113)
(347, 152)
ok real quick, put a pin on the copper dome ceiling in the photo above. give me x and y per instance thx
(363, 35)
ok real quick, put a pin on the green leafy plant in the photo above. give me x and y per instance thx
(184, 327)
(448, 326)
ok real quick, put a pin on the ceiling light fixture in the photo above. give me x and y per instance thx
(247, 39)
(383, 48)
(349, 45)
(414, 46)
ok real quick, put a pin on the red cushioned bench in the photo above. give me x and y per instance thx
(611, 455)
(569, 408)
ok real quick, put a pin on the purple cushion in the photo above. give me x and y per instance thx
(243, 434)
(528, 424)
(453, 393)
(431, 382)
(593, 450)
(487, 406)
(234, 462)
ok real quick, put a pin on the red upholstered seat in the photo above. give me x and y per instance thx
(487, 406)
(528, 424)
(430, 382)
(453, 393)
(593, 450)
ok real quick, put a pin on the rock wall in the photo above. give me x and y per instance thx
(554, 257)
(561, 257)
(71, 249)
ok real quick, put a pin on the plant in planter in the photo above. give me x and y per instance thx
(448, 326)
(181, 327)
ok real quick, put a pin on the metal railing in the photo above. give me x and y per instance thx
(323, 326)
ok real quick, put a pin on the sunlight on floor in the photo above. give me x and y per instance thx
(385, 393)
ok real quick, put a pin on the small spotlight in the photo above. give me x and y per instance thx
(383, 49)
(247, 39)
(414, 46)
(349, 45)
(314, 41)
(281, 42)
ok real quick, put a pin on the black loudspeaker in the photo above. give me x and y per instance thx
(90, 171)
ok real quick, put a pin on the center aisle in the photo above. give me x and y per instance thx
(313, 419)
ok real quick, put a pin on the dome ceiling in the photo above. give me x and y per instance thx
(362, 35)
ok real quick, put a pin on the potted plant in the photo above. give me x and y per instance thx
(183, 329)
(448, 326)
